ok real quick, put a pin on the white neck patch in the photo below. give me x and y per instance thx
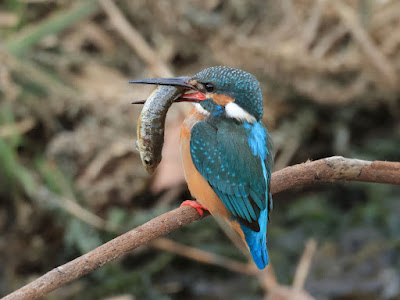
(236, 112)
(200, 109)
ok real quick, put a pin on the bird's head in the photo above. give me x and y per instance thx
(222, 90)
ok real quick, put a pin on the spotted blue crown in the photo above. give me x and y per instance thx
(238, 84)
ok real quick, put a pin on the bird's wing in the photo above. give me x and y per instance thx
(236, 162)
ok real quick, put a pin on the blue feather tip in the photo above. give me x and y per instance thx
(257, 241)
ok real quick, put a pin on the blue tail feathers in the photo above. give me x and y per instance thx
(257, 241)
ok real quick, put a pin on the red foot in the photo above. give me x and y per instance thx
(195, 205)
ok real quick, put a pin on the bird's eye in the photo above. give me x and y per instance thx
(209, 87)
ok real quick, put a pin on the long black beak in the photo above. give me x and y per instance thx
(176, 81)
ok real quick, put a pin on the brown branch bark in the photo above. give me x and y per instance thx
(320, 171)
(107, 252)
(333, 169)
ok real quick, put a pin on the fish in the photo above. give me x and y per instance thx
(151, 124)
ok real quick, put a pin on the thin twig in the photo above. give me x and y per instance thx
(326, 42)
(385, 16)
(135, 39)
(18, 128)
(304, 265)
(202, 256)
(267, 279)
(73, 207)
(323, 170)
(313, 23)
(375, 56)
(156, 64)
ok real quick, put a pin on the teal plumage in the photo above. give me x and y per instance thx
(227, 152)
(235, 158)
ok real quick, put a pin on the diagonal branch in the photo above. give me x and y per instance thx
(320, 171)
(107, 252)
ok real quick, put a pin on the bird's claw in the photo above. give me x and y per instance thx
(200, 208)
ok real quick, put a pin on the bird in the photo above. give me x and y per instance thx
(227, 151)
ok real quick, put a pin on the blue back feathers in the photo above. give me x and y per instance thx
(236, 159)
(257, 241)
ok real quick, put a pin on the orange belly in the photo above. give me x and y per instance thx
(198, 186)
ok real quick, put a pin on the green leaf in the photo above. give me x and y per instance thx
(59, 21)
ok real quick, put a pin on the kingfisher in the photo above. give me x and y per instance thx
(227, 151)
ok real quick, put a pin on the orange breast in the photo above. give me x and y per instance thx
(198, 186)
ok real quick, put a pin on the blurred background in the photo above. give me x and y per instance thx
(71, 180)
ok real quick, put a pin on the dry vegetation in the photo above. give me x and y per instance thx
(70, 178)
